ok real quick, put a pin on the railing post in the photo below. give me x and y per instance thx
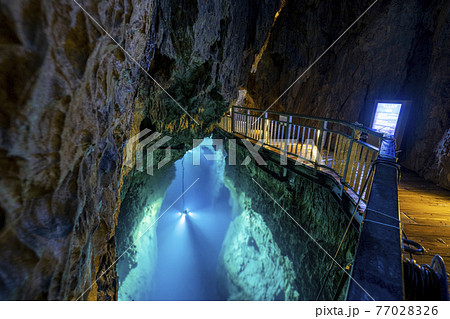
(344, 175)
(246, 122)
(287, 133)
(232, 119)
(264, 128)
(319, 143)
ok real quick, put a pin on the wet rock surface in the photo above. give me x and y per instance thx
(66, 111)
(142, 198)
(251, 266)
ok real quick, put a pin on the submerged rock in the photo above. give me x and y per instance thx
(251, 266)
(144, 252)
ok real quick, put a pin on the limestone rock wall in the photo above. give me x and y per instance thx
(67, 100)
(200, 51)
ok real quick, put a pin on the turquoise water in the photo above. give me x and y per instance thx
(221, 250)
(187, 246)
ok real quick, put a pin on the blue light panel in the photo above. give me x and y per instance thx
(386, 117)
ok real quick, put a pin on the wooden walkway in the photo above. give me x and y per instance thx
(425, 216)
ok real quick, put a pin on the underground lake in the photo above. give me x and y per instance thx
(224, 239)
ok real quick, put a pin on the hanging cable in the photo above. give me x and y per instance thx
(182, 182)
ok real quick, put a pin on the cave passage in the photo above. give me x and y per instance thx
(188, 246)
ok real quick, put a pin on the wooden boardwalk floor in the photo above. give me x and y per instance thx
(425, 216)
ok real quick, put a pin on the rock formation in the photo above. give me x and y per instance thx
(67, 108)
(251, 264)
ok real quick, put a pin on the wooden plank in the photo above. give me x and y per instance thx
(440, 220)
(429, 230)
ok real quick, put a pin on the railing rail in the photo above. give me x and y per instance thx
(345, 149)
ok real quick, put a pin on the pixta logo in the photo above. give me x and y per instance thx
(136, 147)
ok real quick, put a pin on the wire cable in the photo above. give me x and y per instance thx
(182, 182)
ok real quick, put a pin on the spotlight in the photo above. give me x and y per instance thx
(186, 211)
